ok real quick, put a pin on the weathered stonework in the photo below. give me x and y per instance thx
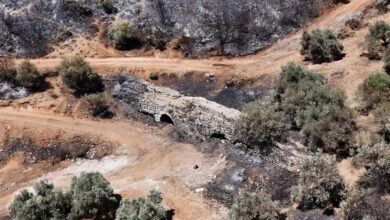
(194, 117)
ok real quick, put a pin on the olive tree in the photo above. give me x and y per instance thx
(319, 184)
(256, 205)
(148, 208)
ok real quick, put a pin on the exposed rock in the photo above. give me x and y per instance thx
(193, 117)
(9, 92)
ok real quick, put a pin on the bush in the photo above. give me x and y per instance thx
(142, 208)
(46, 203)
(254, 206)
(7, 70)
(377, 40)
(98, 106)
(153, 76)
(317, 110)
(354, 23)
(320, 184)
(77, 74)
(382, 120)
(260, 125)
(386, 61)
(365, 204)
(92, 196)
(108, 6)
(377, 175)
(29, 77)
(321, 46)
(373, 91)
(124, 36)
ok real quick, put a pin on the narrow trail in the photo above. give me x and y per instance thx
(267, 61)
(156, 161)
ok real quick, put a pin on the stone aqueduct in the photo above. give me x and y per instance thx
(194, 117)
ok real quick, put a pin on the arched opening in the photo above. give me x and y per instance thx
(218, 135)
(166, 119)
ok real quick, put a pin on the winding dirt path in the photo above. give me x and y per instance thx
(267, 61)
(154, 160)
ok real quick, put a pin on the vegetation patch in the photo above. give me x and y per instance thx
(319, 111)
(98, 106)
(256, 205)
(373, 91)
(124, 35)
(28, 76)
(90, 197)
(321, 46)
(320, 184)
(142, 208)
(377, 40)
(261, 125)
(77, 74)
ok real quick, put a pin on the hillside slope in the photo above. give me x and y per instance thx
(266, 62)
(241, 27)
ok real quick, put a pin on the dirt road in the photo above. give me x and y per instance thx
(153, 161)
(266, 61)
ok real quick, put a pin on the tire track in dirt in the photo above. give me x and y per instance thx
(157, 161)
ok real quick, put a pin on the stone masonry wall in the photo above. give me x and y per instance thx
(194, 117)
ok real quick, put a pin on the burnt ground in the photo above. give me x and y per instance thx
(231, 91)
(57, 150)
(247, 170)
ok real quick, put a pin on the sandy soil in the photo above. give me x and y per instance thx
(350, 173)
(147, 159)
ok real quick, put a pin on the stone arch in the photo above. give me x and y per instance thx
(165, 118)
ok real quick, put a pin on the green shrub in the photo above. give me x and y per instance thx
(184, 45)
(142, 208)
(29, 77)
(108, 6)
(46, 203)
(153, 76)
(260, 126)
(257, 206)
(373, 91)
(319, 184)
(77, 74)
(377, 40)
(382, 120)
(124, 35)
(321, 46)
(291, 76)
(377, 175)
(98, 106)
(317, 110)
(92, 196)
(354, 23)
(7, 70)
